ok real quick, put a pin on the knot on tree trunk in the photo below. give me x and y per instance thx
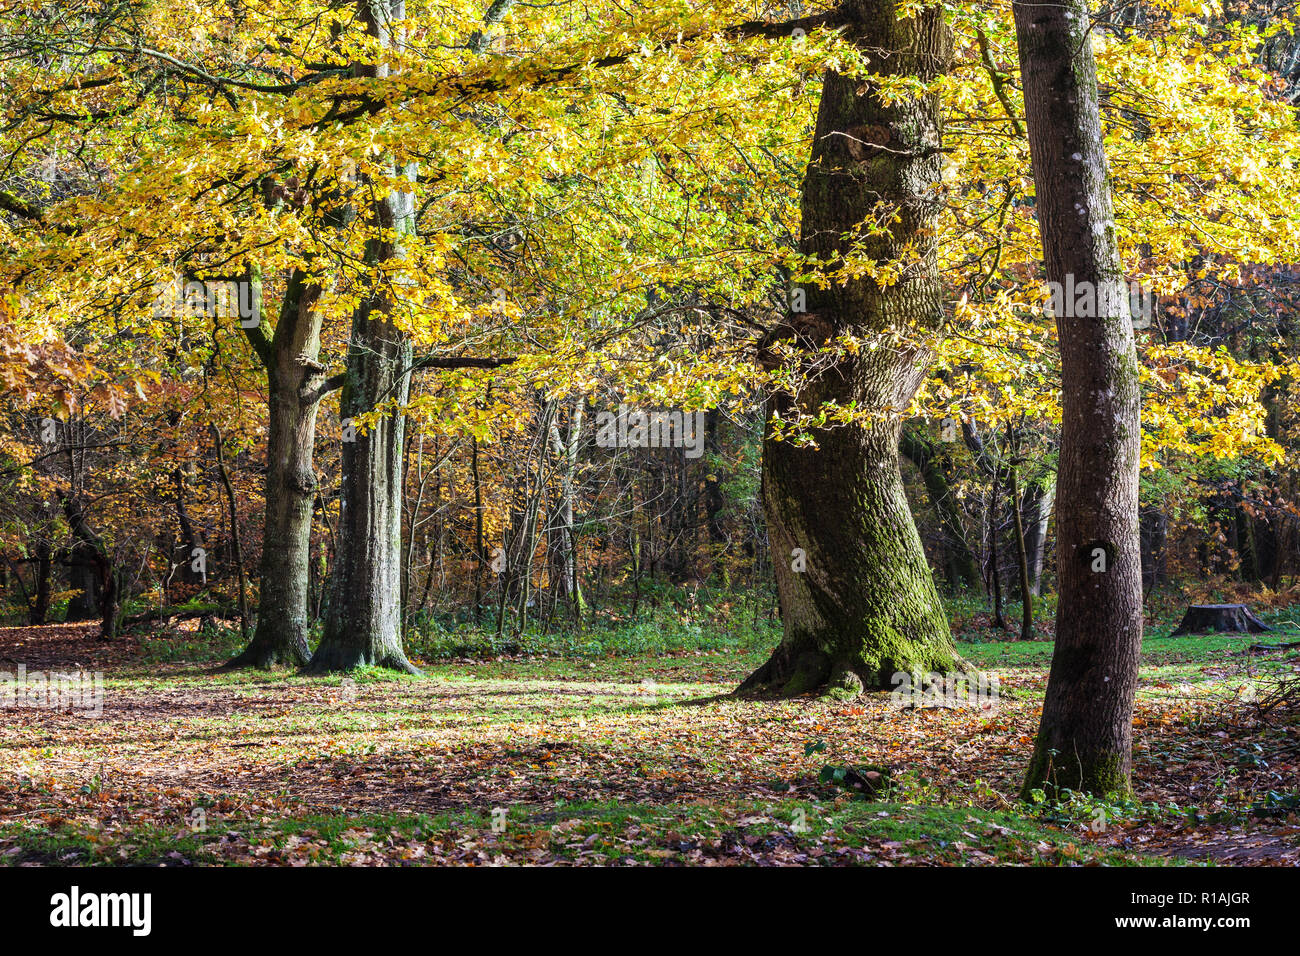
(807, 331)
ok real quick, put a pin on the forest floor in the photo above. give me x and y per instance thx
(623, 758)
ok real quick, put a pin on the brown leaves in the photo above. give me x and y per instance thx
(585, 770)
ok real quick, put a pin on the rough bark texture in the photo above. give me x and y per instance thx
(1084, 740)
(363, 626)
(865, 605)
(294, 378)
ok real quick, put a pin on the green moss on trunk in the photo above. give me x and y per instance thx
(858, 600)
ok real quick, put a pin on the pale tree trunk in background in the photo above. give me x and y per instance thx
(1037, 502)
(565, 565)
(1085, 738)
(363, 626)
(865, 605)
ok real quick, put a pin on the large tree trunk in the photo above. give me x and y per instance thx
(363, 626)
(1085, 738)
(363, 623)
(864, 605)
(294, 380)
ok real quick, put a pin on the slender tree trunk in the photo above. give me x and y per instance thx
(1285, 537)
(715, 501)
(236, 545)
(1153, 529)
(995, 559)
(480, 558)
(1085, 738)
(191, 539)
(1037, 503)
(1022, 559)
(857, 598)
(1247, 546)
(83, 576)
(565, 448)
(40, 608)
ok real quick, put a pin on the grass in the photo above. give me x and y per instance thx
(620, 745)
(600, 833)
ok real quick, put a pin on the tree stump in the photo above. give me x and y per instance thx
(1203, 618)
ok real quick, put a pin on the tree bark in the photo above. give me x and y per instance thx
(1084, 741)
(480, 558)
(991, 509)
(566, 585)
(363, 626)
(1022, 558)
(191, 539)
(96, 551)
(294, 379)
(235, 543)
(363, 622)
(40, 607)
(1223, 618)
(1038, 501)
(865, 605)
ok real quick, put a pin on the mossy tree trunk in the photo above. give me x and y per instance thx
(858, 601)
(1085, 737)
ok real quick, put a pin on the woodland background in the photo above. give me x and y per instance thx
(454, 234)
